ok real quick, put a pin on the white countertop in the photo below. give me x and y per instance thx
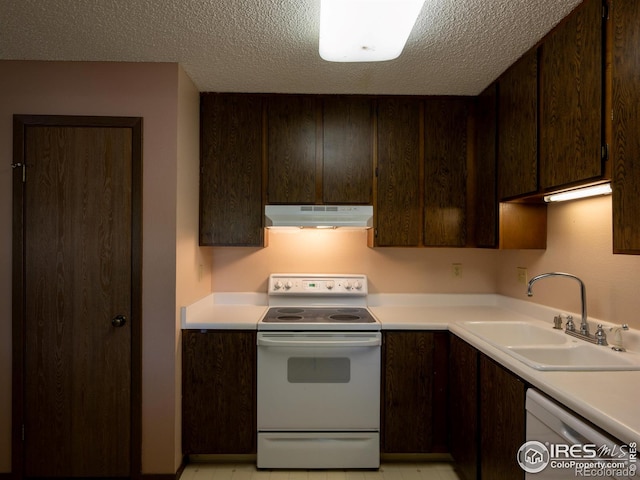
(225, 311)
(611, 400)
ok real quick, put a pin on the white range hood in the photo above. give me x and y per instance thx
(319, 216)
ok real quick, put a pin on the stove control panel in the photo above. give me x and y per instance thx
(317, 284)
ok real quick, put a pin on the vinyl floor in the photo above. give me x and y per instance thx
(387, 471)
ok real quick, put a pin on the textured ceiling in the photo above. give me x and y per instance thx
(458, 47)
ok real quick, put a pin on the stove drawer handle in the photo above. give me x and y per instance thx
(269, 342)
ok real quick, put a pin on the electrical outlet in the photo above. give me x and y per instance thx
(456, 270)
(522, 275)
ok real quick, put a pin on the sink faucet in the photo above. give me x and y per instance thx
(584, 326)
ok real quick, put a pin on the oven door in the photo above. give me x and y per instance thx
(319, 381)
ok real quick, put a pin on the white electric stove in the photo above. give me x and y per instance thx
(318, 374)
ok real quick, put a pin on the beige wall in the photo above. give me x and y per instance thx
(390, 270)
(579, 242)
(149, 91)
(193, 264)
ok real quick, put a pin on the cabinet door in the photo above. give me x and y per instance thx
(399, 211)
(571, 100)
(485, 201)
(218, 392)
(415, 392)
(626, 125)
(518, 129)
(502, 425)
(445, 172)
(231, 169)
(292, 124)
(463, 407)
(347, 175)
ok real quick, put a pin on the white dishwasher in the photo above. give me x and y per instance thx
(560, 445)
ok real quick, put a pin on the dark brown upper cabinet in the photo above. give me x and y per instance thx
(485, 200)
(399, 168)
(518, 129)
(347, 150)
(571, 100)
(626, 125)
(231, 169)
(445, 171)
(320, 149)
(292, 126)
(513, 225)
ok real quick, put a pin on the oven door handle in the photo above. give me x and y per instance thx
(299, 342)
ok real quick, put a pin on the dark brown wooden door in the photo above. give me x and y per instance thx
(518, 128)
(445, 172)
(231, 170)
(78, 279)
(626, 125)
(347, 172)
(399, 206)
(571, 100)
(219, 392)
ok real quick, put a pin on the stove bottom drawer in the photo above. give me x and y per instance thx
(318, 450)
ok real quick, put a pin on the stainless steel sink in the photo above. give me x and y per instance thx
(543, 348)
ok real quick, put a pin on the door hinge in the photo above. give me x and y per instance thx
(605, 10)
(605, 152)
(24, 169)
(23, 432)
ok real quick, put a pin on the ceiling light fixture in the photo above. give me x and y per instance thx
(365, 30)
(604, 189)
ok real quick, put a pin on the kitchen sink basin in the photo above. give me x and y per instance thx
(575, 357)
(515, 333)
(543, 348)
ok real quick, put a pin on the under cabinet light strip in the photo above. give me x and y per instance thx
(585, 192)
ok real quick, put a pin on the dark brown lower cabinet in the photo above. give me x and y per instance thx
(414, 367)
(463, 408)
(502, 421)
(218, 392)
(487, 411)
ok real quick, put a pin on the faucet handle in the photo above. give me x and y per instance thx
(617, 337)
(601, 337)
(557, 322)
(570, 326)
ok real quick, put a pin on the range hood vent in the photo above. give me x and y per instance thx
(319, 216)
